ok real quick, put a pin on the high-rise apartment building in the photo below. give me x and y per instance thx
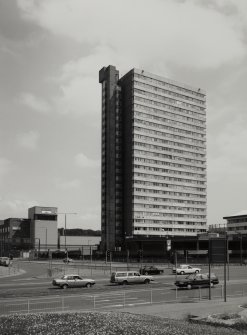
(153, 157)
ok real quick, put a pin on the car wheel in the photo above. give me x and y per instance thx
(182, 273)
(125, 282)
(196, 271)
(146, 281)
(189, 287)
(64, 286)
(88, 285)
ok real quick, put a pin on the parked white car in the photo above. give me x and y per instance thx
(72, 281)
(186, 269)
(5, 261)
(68, 260)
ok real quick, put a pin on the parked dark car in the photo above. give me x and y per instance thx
(197, 280)
(151, 270)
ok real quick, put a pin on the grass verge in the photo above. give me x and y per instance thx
(102, 324)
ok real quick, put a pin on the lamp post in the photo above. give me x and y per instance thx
(241, 248)
(37, 238)
(65, 227)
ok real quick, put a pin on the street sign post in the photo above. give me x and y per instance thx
(217, 252)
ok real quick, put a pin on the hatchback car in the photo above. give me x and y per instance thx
(151, 270)
(198, 280)
(72, 281)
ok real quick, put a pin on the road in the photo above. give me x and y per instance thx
(33, 291)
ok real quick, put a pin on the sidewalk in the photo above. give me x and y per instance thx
(10, 271)
(181, 310)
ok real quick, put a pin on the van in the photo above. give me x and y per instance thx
(129, 277)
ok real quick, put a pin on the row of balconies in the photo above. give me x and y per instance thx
(169, 122)
(165, 98)
(202, 178)
(150, 102)
(170, 85)
(168, 93)
(168, 135)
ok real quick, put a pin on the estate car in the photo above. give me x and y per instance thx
(130, 277)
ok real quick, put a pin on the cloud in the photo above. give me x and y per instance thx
(160, 37)
(83, 161)
(5, 166)
(230, 157)
(77, 96)
(90, 219)
(10, 207)
(69, 185)
(187, 34)
(28, 140)
(34, 103)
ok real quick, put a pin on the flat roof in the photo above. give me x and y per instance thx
(242, 213)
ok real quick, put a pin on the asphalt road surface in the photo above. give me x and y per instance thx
(33, 290)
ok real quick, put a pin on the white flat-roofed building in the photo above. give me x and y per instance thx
(86, 244)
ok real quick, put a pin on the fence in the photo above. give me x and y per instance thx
(124, 297)
(93, 268)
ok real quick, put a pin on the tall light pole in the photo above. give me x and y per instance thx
(240, 236)
(37, 238)
(65, 226)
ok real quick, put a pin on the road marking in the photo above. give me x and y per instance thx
(23, 284)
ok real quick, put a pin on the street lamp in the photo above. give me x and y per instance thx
(37, 238)
(65, 227)
(241, 247)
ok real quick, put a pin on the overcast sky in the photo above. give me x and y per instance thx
(50, 98)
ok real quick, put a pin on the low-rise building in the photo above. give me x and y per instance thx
(39, 233)
(237, 223)
(14, 234)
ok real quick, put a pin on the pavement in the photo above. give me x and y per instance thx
(10, 271)
(183, 310)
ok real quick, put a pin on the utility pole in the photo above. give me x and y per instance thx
(65, 227)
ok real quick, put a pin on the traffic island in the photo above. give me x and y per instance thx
(10, 271)
(236, 321)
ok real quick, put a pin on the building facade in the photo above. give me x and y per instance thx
(153, 157)
(14, 233)
(43, 228)
(237, 223)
